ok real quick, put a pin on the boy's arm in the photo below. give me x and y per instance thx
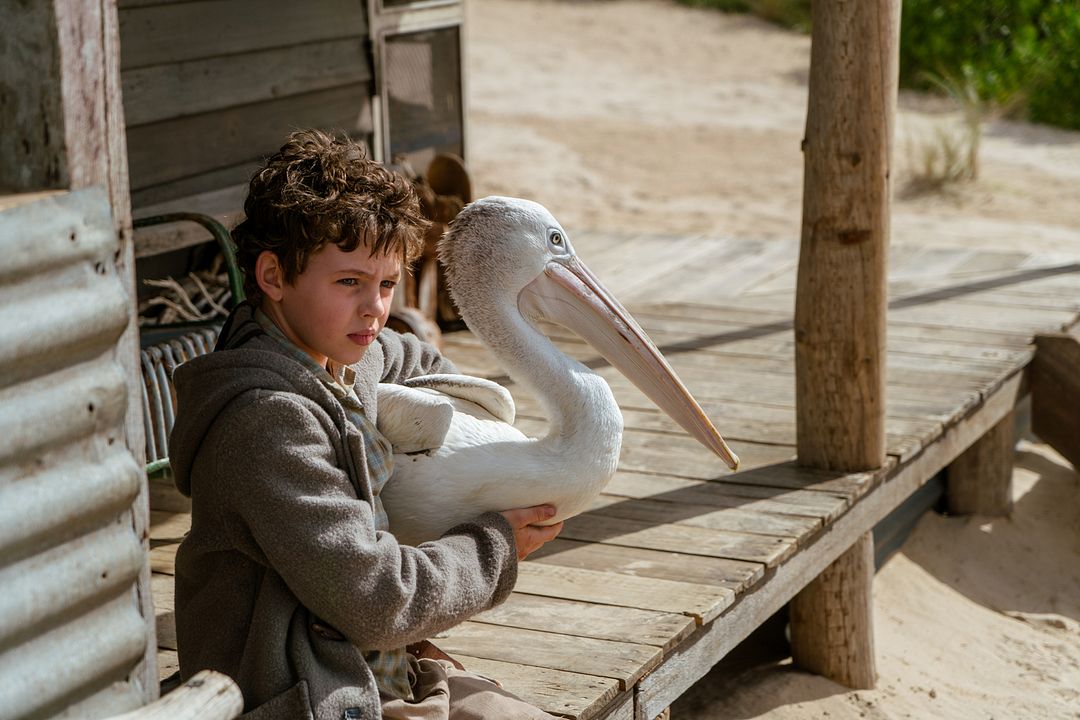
(295, 511)
(406, 356)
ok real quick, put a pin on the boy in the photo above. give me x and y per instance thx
(289, 581)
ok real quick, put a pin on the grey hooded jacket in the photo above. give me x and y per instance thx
(283, 582)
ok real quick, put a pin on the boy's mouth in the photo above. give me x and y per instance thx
(362, 339)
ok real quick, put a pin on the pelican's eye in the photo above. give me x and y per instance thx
(556, 239)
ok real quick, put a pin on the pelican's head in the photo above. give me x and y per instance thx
(499, 245)
(503, 253)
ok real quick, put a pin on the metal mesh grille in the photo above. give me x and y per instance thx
(423, 83)
(159, 399)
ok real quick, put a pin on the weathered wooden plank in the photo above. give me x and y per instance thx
(163, 92)
(941, 309)
(166, 151)
(740, 420)
(1032, 295)
(975, 316)
(703, 365)
(735, 575)
(673, 328)
(179, 31)
(927, 261)
(791, 475)
(161, 588)
(744, 265)
(163, 557)
(778, 321)
(703, 602)
(988, 261)
(164, 497)
(225, 205)
(188, 192)
(169, 526)
(917, 389)
(622, 708)
(621, 661)
(568, 694)
(682, 455)
(168, 663)
(774, 426)
(749, 497)
(208, 695)
(605, 622)
(731, 519)
(766, 549)
(621, 269)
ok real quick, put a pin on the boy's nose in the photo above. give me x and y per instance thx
(372, 305)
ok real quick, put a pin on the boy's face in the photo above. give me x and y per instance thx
(336, 306)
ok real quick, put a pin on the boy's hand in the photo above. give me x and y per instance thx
(529, 536)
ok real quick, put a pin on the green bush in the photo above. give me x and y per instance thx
(1015, 53)
(1055, 93)
(1011, 51)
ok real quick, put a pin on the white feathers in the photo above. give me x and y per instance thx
(417, 415)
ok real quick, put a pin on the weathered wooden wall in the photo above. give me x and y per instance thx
(213, 86)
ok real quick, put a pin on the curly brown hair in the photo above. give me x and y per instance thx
(317, 190)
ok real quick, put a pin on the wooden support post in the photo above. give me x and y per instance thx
(979, 480)
(1055, 392)
(840, 311)
(841, 295)
(831, 619)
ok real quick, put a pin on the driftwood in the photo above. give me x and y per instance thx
(200, 296)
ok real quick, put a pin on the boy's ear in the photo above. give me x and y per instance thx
(269, 275)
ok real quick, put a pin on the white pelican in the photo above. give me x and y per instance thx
(509, 264)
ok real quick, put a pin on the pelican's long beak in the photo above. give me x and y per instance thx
(567, 293)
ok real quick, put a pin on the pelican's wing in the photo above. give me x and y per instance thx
(413, 419)
(491, 396)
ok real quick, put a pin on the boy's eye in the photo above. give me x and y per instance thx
(348, 282)
(389, 284)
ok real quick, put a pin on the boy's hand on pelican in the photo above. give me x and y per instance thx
(529, 536)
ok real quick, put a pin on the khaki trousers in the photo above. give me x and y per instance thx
(442, 692)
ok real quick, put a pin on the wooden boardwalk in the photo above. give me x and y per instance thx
(679, 560)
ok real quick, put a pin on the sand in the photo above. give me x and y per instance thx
(647, 116)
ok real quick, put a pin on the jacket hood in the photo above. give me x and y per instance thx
(245, 359)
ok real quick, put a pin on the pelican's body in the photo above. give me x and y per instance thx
(457, 453)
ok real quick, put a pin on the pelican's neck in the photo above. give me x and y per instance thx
(578, 402)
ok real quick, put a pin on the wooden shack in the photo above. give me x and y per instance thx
(212, 87)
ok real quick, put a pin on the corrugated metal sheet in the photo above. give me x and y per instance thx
(71, 629)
